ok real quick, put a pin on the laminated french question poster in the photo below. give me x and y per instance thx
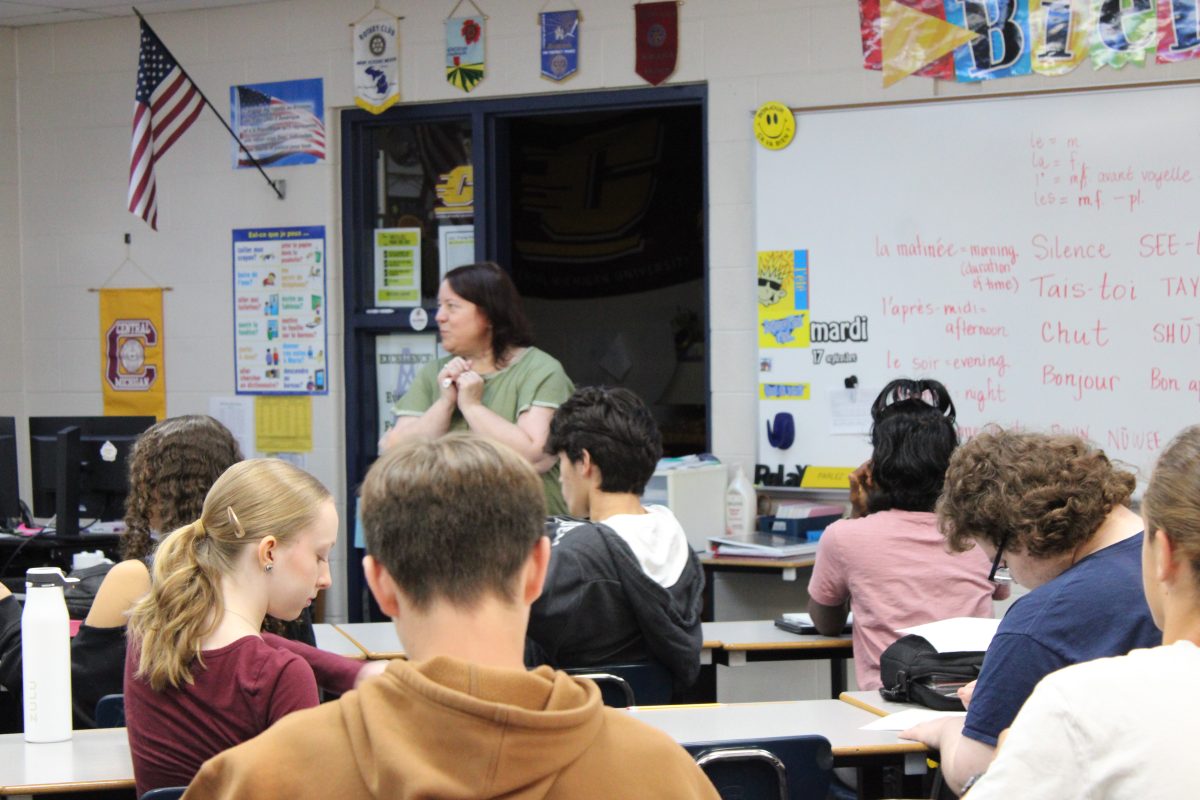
(131, 352)
(280, 312)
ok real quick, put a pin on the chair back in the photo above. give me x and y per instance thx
(165, 793)
(787, 768)
(110, 711)
(624, 685)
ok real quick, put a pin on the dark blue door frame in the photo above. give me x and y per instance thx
(489, 148)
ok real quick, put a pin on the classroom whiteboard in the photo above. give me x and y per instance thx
(1038, 255)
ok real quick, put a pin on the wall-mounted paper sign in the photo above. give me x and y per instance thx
(397, 266)
(456, 247)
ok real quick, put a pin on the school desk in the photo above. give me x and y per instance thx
(760, 640)
(332, 640)
(788, 569)
(840, 723)
(90, 761)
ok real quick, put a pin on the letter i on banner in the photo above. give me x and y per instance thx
(1178, 30)
(376, 64)
(657, 31)
(560, 43)
(464, 49)
(1061, 30)
(131, 352)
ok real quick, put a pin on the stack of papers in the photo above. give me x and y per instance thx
(802, 509)
(761, 545)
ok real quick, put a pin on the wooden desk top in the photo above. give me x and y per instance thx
(91, 760)
(332, 640)
(710, 560)
(763, 635)
(839, 722)
(869, 700)
(377, 640)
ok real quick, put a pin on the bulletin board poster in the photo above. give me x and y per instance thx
(398, 358)
(280, 336)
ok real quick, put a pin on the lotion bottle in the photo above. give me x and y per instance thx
(46, 656)
(741, 505)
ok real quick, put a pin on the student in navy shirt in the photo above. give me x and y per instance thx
(200, 676)
(1052, 509)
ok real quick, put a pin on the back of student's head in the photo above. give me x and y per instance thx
(913, 437)
(453, 519)
(1172, 500)
(174, 464)
(250, 501)
(616, 429)
(1039, 494)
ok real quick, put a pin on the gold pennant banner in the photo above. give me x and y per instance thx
(912, 39)
(131, 352)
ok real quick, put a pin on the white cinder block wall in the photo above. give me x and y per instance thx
(65, 108)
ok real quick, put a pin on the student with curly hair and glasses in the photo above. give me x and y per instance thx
(890, 565)
(1053, 510)
(1125, 728)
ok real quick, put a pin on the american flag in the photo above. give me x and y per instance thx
(165, 105)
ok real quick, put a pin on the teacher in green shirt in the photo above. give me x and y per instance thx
(494, 382)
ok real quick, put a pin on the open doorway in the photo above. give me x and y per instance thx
(603, 214)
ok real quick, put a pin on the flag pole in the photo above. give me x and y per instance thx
(253, 160)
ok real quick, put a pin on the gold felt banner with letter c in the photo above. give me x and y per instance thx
(131, 352)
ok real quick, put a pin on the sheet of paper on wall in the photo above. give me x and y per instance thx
(283, 424)
(398, 359)
(456, 247)
(850, 411)
(237, 414)
(299, 460)
(957, 634)
(397, 266)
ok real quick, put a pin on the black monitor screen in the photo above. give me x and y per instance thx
(10, 487)
(103, 469)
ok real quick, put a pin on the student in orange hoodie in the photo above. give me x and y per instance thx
(456, 555)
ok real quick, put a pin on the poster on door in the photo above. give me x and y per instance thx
(280, 339)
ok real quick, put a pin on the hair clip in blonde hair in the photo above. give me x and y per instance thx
(238, 530)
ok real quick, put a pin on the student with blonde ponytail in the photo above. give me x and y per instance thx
(1125, 728)
(200, 676)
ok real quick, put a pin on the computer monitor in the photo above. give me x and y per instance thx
(80, 466)
(10, 486)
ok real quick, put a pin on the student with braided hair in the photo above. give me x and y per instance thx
(200, 675)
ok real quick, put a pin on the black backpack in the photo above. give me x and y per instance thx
(913, 672)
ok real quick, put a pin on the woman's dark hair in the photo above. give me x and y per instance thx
(490, 288)
(913, 437)
(616, 428)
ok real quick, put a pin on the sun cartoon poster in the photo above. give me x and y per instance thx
(783, 317)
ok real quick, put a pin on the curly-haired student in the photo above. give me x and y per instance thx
(1053, 510)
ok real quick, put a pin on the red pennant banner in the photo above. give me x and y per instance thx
(657, 40)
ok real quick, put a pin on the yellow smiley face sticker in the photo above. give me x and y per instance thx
(774, 125)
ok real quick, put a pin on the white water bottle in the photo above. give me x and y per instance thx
(46, 656)
(741, 505)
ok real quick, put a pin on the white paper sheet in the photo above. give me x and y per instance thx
(850, 411)
(903, 720)
(957, 634)
(237, 414)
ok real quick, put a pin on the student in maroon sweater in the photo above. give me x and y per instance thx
(200, 676)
